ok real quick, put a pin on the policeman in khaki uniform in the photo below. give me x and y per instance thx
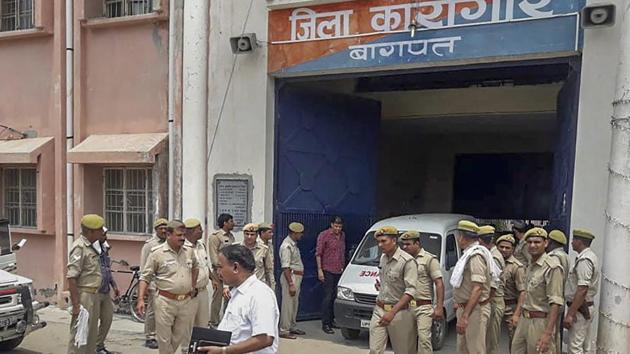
(557, 241)
(84, 279)
(194, 240)
(392, 316)
(472, 296)
(174, 267)
(216, 242)
(582, 287)
(429, 273)
(513, 277)
(149, 318)
(497, 304)
(536, 328)
(265, 235)
(291, 281)
(264, 262)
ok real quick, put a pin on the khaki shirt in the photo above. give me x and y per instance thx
(398, 276)
(563, 258)
(290, 255)
(203, 263)
(499, 287)
(146, 249)
(216, 242)
(171, 270)
(475, 271)
(585, 272)
(522, 254)
(264, 263)
(513, 277)
(543, 285)
(428, 271)
(84, 264)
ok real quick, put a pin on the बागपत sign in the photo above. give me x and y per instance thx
(374, 34)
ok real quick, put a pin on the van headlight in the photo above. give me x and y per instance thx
(345, 293)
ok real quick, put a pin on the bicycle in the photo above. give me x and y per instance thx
(127, 301)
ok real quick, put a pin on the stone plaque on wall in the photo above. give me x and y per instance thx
(232, 196)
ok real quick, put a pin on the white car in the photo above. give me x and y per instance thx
(356, 294)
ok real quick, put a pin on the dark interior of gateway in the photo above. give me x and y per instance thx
(494, 141)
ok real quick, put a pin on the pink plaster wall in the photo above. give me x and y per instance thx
(35, 261)
(129, 251)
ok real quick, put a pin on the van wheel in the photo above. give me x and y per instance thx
(350, 334)
(438, 333)
(10, 344)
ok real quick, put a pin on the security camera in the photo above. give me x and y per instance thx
(598, 15)
(243, 44)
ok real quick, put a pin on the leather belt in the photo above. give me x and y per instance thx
(534, 314)
(88, 289)
(415, 303)
(588, 303)
(389, 307)
(297, 272)
(170, 295)
(511, 301)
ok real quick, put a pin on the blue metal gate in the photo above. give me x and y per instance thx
(326, 164)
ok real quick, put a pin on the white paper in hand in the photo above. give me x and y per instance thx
(82, 326)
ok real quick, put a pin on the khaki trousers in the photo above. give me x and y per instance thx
(473, 341)
(173, 322)
(507, 319)
(401, 332)
(149, 313)
(290, 304)
(216, 305)
(104, 302)
(203, 308)
(497, 308)
(528, 333)
(579, 336)
(88, 301)
(424, 323)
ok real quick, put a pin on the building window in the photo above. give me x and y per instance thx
(20, 196)
(16, 15)
(119, 8)
(128, 200)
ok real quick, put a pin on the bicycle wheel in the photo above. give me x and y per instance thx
(133, 302)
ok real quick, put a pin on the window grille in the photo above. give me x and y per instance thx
(16, 15)
(120, 8)
(128, 200)
(20, 196)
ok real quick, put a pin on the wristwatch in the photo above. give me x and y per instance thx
(194, 292)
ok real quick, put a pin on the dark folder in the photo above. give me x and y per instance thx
(202, 337)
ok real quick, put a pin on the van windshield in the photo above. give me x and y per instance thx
(370, 254)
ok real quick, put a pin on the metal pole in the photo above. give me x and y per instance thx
(614, 310)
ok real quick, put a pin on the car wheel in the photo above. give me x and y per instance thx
(438, 333)
(10, 344)
(350, 334)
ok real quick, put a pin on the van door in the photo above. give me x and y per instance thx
(451, 256)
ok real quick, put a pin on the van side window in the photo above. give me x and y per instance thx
(451, 251)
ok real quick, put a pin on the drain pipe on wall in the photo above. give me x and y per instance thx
(69, 122)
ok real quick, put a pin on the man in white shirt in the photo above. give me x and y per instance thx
(252, 313)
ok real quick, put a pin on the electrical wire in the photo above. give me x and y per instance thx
(229, 84)
(22, 135)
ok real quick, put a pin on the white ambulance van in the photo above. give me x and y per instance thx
(356, 293)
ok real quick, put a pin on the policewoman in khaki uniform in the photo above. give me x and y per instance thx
(158, 238)
(513, 277)
(84, 280)
(392, 316)
(174, 267)
(582, 287)
(497, 304)
(429, 273)
(291, 281)
(216, 242)
(557, 241)
(262, 257)
(536, 328)
(473, 295)
(194, 240)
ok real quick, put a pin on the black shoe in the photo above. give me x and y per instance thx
(334, 325)
(151, 344)
(299, 332)
(103, 351)
(327, 329)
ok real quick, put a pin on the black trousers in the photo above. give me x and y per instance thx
(330, 294)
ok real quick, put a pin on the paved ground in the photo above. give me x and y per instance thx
(126, 337)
